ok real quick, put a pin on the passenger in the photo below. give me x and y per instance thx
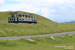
(12, 15)
(32, 17)
(29, 16)
(24, 17)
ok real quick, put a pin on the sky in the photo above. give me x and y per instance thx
(55, 10)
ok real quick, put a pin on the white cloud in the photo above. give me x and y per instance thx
(35, 5)
(47, 1)
(72, 6)
(53, 10)
(45, 11)
(62, 7)
(48, 12)
(3, 10)
(1, 1)
(55, 1)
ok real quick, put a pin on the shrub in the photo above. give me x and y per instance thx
(8, 43)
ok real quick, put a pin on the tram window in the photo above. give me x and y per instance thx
(32, 17)
(29, 16)
(26, 16)
(19, 15)
(23, 16)
(16, 15)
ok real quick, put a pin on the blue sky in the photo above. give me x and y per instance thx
(55, 10)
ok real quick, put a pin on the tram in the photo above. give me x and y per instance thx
(21, 18)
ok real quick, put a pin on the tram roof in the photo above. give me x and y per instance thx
(13, 13)
(25, 14)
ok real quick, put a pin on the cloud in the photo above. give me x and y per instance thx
(45, 11)
(3, 10)
(46, 1)
(72, 6)
(2, 2)
(55, 1)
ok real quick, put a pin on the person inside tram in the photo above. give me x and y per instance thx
(32, 17)
(23, 16)
(12, 15)
(26, 16)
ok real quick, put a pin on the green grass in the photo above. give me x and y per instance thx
(8, 43)
(44, 26)
(40, 43)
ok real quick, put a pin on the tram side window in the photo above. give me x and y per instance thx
(29, 16)
(19, 16)
(26, 16)
(32, 17)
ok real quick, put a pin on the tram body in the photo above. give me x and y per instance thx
(22, 18)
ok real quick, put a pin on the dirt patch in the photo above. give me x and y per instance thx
(0, 31)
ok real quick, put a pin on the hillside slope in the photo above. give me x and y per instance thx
(44, 26)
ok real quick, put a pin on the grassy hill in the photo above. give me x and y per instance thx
(40, 43)
(44, 26)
